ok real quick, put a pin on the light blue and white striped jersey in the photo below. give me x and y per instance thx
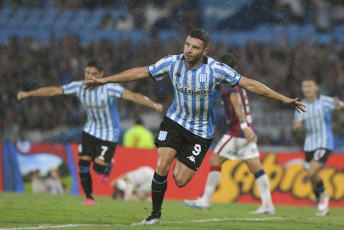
(196, 91)
(100, 105)
(317, 123)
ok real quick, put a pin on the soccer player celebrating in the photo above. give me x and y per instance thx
(101, 132)
(319, 139)
(188, 127)
(238, 144)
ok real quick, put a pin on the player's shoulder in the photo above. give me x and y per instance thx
(219, 65)
(115, 86)
(173, 57)
(325, 98)
(74, 84)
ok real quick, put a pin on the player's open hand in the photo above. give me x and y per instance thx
(158, 107)
(22, 95)
(295, 104)
(93, 83)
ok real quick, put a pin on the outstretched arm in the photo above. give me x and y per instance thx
(140, 99)
(239, 111)
(339, 103)
(41, 92)
(262, 90)
(129, 75)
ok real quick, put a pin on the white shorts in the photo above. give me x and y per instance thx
(142, 179)
(236, 148)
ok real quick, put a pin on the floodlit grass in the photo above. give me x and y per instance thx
(27, 211)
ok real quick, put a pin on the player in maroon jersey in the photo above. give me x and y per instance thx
(238, 144)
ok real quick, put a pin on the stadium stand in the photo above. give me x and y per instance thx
(47, 42)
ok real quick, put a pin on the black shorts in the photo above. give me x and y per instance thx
(95, 147)
(191, 149)
(319, 155)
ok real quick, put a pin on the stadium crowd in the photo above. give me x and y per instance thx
(26, 64)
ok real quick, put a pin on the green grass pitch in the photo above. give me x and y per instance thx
(27, 211)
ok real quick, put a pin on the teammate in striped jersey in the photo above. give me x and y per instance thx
(238, 144)
(101, 131)
(319, 138)
(188, 127)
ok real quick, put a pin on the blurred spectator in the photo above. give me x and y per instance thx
(38, 186)
(107, 23)
(26, 63)
(322, 13)
(289, 11)
(138, 137)
(53, 183)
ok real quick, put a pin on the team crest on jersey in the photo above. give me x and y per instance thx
(162, 135)
(202, 77)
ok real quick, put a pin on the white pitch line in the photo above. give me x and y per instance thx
(48, 226)
(219, 220)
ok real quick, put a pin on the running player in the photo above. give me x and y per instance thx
(319, 139)
(238, 144)
(101, 131)
(188, 127)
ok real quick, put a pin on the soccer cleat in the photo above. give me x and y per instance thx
(262, 210)
(154, 218)
(89, 201)
(197, 204)
(323, 212)
(106, 176)
(323, 207)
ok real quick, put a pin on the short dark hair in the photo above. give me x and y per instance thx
(201, 35)
(310, 78)
(138, 121)
(228, 59)
(95, 64)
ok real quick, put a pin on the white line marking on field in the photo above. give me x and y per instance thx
(219, 220)
(48, 226)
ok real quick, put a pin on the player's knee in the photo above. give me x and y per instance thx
(163, 168)
(180, 182)
(98, 168)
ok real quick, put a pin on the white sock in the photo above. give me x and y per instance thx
(211, 185)
(264, 190)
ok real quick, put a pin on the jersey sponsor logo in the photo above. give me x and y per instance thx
(193, 90)
(192, 159)
(162, 135)
(203, 77)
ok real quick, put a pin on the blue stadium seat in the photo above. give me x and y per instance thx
(111, 35)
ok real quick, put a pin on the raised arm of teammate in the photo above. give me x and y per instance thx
(41, 92)
(129, 75)
(262, 90)
(143, 100)
(239, 110)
